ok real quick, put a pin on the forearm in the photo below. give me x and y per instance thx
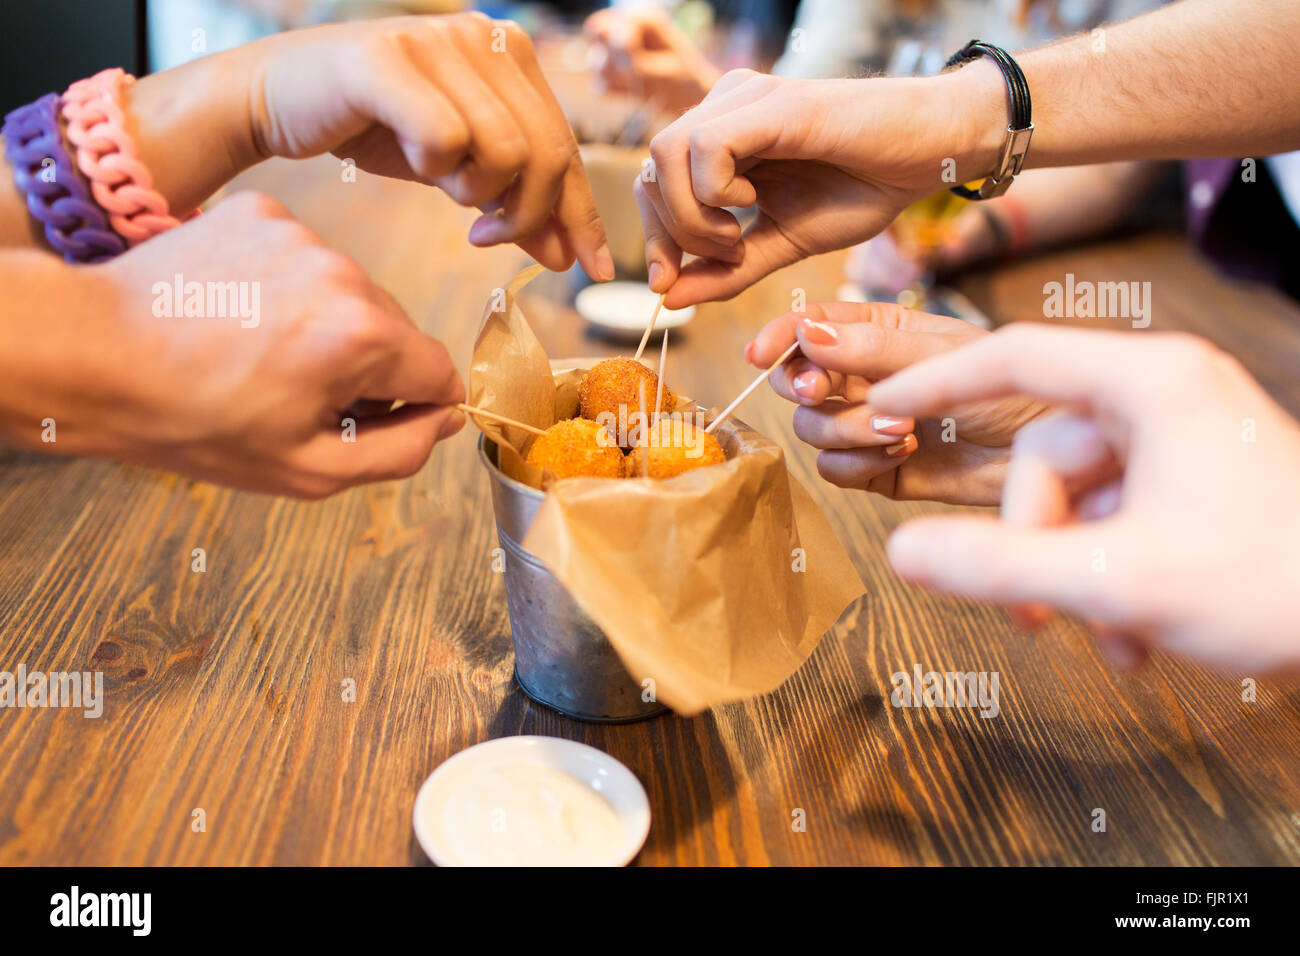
(1195, 78)
(54, 351)
(1076, 202)
(191, 126)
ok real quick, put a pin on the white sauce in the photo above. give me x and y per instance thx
(528, 815)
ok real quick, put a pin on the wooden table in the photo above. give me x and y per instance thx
(224, 688)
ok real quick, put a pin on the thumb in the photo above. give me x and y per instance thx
(983, 558)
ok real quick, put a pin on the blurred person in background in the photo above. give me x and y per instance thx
(180, 30)
(1248, 232)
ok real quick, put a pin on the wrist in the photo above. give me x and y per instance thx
(977, 96)
(192, 125)
(60, 367)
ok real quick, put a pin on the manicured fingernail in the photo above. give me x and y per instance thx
(604, 263)
(904, 447)
(1029, 617)
(749, 353)
(818, 333)
(888, 425)
(1122, 654)
(656, 271)
(805, 383)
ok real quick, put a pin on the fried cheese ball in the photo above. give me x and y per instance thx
(675, 446)
(572, 449)
(616, 382)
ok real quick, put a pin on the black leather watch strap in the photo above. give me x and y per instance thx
(1020, 127)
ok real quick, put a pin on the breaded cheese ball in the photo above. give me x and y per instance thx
(674, 446)
(616, 382)
(572, 449)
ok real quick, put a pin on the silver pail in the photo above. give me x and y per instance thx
(562, 659)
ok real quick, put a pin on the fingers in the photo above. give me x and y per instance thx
(803, 383)
(858, 468)
(845, 425)
(1087, 368)
(389, 86)
(1053, 460)
(487, 130)
(702, 142)
(499, 147)
(418, 371)
(871, 340)
(556, 169)
(765, 249)
(389, 447)
(698, 228)
(663, 256)
(986, 559)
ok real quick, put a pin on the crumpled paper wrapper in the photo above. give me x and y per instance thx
(717, 584)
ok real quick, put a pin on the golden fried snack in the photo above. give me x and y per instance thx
(572, 449)
(675, 446)
(616, 382)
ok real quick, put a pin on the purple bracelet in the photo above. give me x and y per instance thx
(56, 194)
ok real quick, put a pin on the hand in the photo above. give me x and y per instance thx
(251, 394)
(959, 458)
(1163, 509)
(454, 101)
(827, 162)
(644, 53)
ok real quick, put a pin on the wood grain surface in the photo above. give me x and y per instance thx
(224, 688)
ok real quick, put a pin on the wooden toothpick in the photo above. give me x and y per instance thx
(752, 385)
(659, 389)
(650, 328)
(471, 410)
(645, 424)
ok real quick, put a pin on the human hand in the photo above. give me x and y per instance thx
(644, 53)
(959, 458)
(889, 263)
(1162, 508)
(828, 163)
(455, 101)
(252, 392)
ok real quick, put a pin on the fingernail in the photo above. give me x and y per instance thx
(656, 270)
(451, 425)
(904, 447)
(749, 353)
(888, 425)
(818, 333)
(805, 383)
(604, 263)
(908, 555)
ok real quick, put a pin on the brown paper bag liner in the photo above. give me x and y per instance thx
(715, 585)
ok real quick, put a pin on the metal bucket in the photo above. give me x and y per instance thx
(562, 659)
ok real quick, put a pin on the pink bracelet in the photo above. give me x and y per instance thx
(106, 154)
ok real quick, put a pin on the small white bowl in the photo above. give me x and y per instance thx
(624, 308)
(531, 801)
